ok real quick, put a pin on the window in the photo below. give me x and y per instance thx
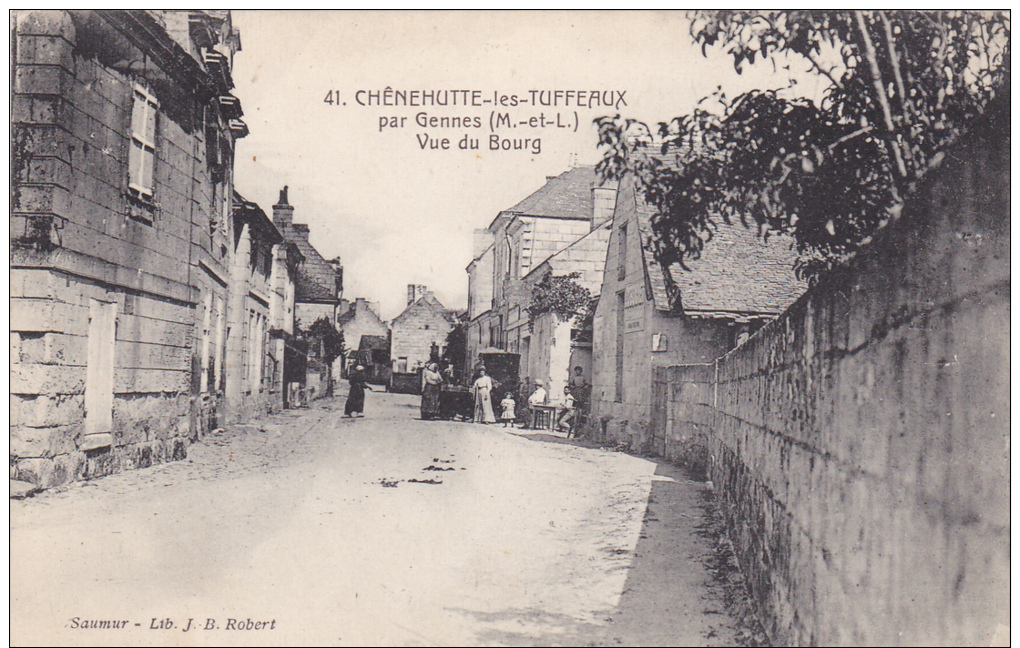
(620, 329)
(207, 366)
(659, 342)
(141, 157)
(509, 256)
(622, 253)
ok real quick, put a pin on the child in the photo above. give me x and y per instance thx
(508, 414)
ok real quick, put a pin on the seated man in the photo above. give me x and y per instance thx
(538, 397)
(579, 387)
(568, 414)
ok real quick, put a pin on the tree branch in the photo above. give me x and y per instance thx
(901, 89)
(894, 61)
(876, 77)
(828, 73)
(850, 136)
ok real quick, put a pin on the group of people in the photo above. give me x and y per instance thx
(574, 394)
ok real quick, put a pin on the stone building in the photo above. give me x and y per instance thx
(569, 208)
(320, 283)
(123, 133)
(356, 320)
(374, 354)
(418, 334)
(479, 307)
(262, 302)
(552, 346)
(318, 289)
(653, 316)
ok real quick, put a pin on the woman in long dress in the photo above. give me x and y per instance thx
(482, 390)
(431, 381)
(356, 396)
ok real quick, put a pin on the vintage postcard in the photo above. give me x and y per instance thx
(509, 327)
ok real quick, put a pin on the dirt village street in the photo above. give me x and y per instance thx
(311, 528)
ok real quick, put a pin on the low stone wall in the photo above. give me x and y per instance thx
(860, 442)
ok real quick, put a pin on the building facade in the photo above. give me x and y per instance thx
(356, 320)
(553, 346)
(262, 295)
(479, 307)
(318, 288)
(123, 132)
(653, 316)
(418, 335)
(559, 229)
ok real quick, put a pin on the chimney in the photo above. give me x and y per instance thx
(415, 292)
(603, 201)
(283, 212)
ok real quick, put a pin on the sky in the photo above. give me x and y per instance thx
(397, 214)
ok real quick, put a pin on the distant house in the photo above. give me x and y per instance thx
(652, 316)
(318, 287)
(568, 207)
(374, 355)
(356, 320)
(418, 335)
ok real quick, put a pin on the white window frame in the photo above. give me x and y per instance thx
(143, 149)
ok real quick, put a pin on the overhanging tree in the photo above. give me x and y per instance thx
(903, 85)
(562, 295)
(327, 338)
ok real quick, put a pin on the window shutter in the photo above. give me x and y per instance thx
(141, 157)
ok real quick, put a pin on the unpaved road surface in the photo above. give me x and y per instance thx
(308, 528)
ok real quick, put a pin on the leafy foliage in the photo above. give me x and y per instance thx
(560, 295)
(456, 345)
(903, 85)
(329, 340)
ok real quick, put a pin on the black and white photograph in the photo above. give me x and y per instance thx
(509, 328)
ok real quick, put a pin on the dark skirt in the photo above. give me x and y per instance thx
(355, 399)
(430, 401)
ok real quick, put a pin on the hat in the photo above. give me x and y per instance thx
(360, 367)
(538, 383)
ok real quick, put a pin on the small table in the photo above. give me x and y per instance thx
(545, 416)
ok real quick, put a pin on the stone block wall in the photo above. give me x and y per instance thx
(49, 348)
(861, 441)
(79, 240)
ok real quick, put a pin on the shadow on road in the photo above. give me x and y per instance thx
(683, 586)
(551, 437)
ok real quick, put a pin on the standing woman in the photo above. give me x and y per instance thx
(356, 396)
(431, 381)
(482, 390)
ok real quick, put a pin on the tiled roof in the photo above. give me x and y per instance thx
(428, 299)
(738, 272)
(307, 288)
(369, 342)
(567, 195)
(316, 280)
(353, 311)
